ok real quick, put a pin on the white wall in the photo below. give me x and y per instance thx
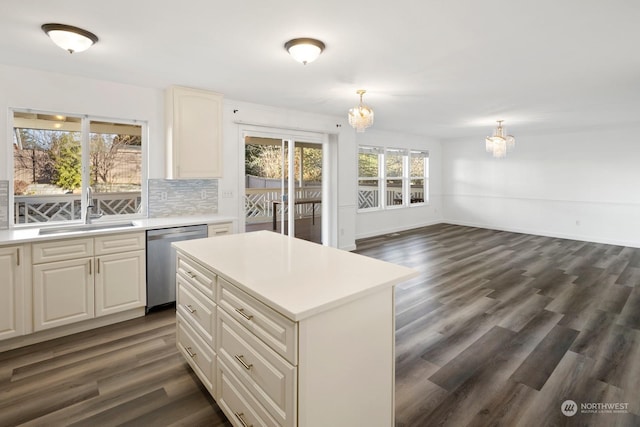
(384, 221)
(581, 185)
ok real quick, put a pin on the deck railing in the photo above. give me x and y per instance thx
(258, 202)
(67, 207)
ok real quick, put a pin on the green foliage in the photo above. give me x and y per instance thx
(367, 165)
(67, 162)
(266, 161)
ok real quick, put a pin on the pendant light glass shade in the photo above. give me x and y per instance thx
(499, 144)
(72, 39)
(361, 117)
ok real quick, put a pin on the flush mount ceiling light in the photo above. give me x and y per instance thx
(72, 39)
(304, 50)
(361, 117)
(499, 143)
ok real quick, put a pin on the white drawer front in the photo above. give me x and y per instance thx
(214, 230)
(200, 312)
(199, 355)
(123, 242)
(236, 401)
(198, 276)
(267, 376)
(270, 326)
(61, 250)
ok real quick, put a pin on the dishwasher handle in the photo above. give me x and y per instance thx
(176, 235)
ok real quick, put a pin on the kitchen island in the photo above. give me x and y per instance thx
(286, 332)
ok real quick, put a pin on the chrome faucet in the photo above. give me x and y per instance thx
(88, 214)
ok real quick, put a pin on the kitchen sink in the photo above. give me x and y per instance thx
(85, 227)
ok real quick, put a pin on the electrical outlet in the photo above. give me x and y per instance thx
(163, 196)
(227, 194)
(203, 194)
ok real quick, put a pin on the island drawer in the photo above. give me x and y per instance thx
(198, 276)
(199, 355)
(277, 331)
(199, 311)
(236, 401)
(270, 379)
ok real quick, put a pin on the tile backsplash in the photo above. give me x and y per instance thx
(175, 197)
(4, 204)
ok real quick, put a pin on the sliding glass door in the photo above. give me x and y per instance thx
(283, 186)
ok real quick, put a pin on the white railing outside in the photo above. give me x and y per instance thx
(368, 196)
(67, 207)
(258, 202)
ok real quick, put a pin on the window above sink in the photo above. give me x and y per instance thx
(56, 157)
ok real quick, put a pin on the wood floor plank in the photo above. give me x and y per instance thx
(538, 367)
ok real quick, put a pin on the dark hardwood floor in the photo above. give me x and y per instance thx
(499, 329)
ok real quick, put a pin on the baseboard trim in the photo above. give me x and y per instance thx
(397, 229)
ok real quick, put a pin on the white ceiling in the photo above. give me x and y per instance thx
(442, 68)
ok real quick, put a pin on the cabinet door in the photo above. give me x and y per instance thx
(196, 133)
(62, 293)
(120, 282)
(12, 292)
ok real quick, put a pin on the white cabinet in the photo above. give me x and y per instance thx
(304, 333)
(119, 282)
(63, 293)
(79, 279)
(12, 303)
(196, 319)
(194, 133)
(214, 230)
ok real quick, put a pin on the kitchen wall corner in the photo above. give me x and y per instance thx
(4, 204)
(182, 197)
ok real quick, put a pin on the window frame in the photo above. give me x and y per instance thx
(85, 138)
(380, 153)
(406, 178)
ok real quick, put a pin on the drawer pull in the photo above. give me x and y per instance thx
(190, 274)
(243, 314)
(240, 417)
(240, 359)
(189, 352)
(191, 309)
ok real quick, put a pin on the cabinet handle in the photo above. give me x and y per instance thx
(240, 417)
(193, 276)
(191, 309)
(240, 359)
(189, 352)
(18, 256)
(243, 314)
(89, 267)
(98, 266)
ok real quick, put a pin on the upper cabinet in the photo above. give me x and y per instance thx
(194, 133)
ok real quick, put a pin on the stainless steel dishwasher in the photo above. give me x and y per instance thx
(161, 262)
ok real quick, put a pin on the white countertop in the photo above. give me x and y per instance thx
(30, 234)
(293, 276)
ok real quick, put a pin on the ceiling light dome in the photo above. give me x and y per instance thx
(304, 50)
(72, 39)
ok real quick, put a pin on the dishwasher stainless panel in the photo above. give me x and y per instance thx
(161, 262)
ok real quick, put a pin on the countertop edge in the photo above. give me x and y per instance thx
(13, 236)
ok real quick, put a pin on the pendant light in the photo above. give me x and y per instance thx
(361, 117)
(499, 143)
